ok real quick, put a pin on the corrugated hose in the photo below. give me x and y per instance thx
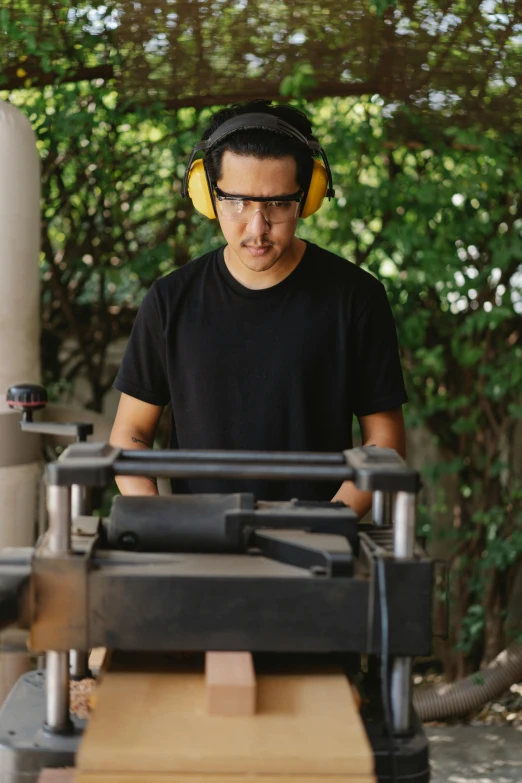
(459, 698)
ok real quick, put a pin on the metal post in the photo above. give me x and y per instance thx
(57, 679)
(80, 501)
(59, 512)
(79, 664)
(382, 507)
(377, 507)
(57, 663)
(401, 675)
(404, 525)
(80, 505)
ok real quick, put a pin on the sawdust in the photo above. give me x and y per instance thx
(82, 697)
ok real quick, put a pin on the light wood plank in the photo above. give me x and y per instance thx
(60, 775)
(175, 778)
(230, 682)
(156, 723)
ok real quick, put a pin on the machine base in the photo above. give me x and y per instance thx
(411, 755)
(25, 747)
(410, 752)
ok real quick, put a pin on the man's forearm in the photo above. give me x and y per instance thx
(136, 485)
(385, 430)
(134, 428)
(133, 485)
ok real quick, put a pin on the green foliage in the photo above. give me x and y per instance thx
(473, 626)
(440, 222)
(299, 82)
(381, 6)
(426, 202)
(112, 216)
(113, 219)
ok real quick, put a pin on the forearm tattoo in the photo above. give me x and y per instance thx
(137, 440)
(149, 478)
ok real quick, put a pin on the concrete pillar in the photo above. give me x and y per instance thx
(19, 249)
(20, 465)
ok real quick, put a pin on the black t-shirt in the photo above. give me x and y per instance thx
(280, 369)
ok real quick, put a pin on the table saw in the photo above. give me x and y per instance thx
(314, 595)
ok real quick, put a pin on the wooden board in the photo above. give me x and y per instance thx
(155, 723)
(230, 683)
(160, 778)
(69, 776)
(61, 775)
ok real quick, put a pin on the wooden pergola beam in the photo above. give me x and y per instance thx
(15, 78)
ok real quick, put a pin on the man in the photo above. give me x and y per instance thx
(270, 342)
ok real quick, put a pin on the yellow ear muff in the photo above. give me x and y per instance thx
(317, 189)
(198, 190)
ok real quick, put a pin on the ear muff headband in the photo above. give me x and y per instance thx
(196, 183)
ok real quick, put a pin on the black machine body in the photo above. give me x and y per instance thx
(231, 572)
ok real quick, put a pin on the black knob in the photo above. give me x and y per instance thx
(129, 541)
(26, 397)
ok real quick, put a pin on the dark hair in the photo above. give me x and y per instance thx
(261, 143)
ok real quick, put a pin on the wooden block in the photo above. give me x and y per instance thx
(60, 775)
(230, 682)
(97, 657)
(155, 723)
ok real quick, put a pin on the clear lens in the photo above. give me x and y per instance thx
(242, 211)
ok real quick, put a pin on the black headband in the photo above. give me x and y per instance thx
(262, 121)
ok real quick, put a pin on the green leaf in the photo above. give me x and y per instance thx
(4, 19)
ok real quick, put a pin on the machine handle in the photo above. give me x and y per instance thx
(30, 397)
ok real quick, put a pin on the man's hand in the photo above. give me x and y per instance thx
(385, 430)
(134, 428)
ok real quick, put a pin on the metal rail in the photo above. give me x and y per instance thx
(272, 457)
(230, 470)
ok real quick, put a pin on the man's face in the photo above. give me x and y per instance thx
(258, 245)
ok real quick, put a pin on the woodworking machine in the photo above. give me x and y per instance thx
(221, 572)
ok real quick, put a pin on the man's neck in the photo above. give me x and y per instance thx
(254, 280)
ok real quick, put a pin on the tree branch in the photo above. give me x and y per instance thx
(39, 78)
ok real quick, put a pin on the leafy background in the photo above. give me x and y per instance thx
(418, 105)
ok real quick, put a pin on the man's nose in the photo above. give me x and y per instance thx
(258, 223)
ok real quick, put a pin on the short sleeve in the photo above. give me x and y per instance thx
(378, 372)
(143, 373)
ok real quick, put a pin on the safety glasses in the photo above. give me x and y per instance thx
(275, 209)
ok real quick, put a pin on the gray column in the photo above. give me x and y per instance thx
(20, 466)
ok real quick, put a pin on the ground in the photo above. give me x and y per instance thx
(476, 754)
(486, 747)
